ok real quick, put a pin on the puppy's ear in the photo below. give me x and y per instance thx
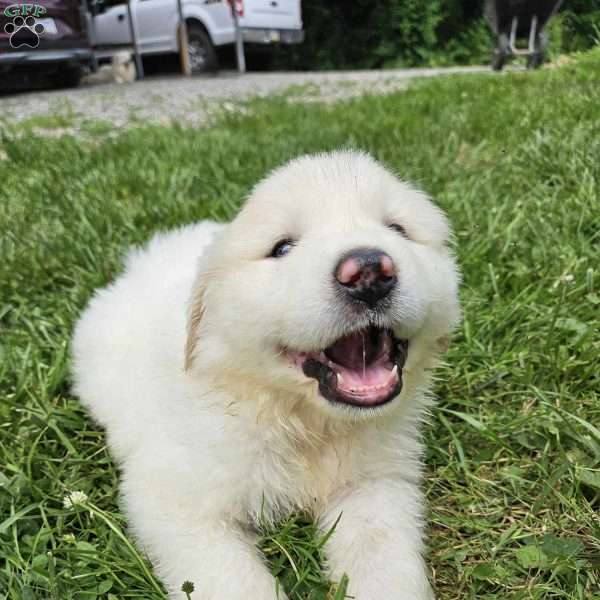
(195, 313)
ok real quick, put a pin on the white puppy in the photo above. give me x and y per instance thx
(121, 69)
(279, 362)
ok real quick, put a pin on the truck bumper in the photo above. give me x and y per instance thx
(45, 57)
(256, 35)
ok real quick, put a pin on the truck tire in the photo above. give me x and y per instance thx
(501, 52)
(498, 60)
(201, 52)
(535, 60)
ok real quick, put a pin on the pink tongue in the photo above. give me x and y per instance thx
(357, 350)
(357, 380)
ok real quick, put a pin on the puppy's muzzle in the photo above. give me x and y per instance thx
(366, 274)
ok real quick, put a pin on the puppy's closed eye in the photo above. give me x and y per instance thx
(399, 229)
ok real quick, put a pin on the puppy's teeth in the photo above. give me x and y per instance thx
(340, 379)
(395, 369)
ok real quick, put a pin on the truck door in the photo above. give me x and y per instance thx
(112, 25)
(157, 25)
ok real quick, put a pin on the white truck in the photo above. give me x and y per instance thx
(209, 24)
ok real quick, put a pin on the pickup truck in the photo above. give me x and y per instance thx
(209, 24)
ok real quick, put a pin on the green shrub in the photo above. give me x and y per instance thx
(365, 34)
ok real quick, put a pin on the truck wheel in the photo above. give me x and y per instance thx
(535, 61)
(201, 52)
(498, 60)
(68, 77)
(501, 52)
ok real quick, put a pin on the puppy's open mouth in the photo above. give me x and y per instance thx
(363, 369)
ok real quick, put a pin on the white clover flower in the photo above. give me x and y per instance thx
(566, 278)
(74, 498)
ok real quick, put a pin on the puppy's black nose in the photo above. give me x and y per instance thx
(366, 274)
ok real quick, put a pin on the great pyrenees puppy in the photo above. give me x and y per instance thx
(277, 363)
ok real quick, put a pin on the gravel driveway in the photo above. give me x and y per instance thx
(190, 100)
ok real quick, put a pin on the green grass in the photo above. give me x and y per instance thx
(513, 449)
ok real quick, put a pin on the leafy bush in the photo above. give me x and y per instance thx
(365, 34)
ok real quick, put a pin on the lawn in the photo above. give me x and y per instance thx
(513, 447)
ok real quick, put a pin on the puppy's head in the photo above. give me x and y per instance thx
(334, 284)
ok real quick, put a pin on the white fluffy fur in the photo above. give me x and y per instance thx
(241, 434)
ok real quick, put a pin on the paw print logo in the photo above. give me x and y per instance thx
(24, 31)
